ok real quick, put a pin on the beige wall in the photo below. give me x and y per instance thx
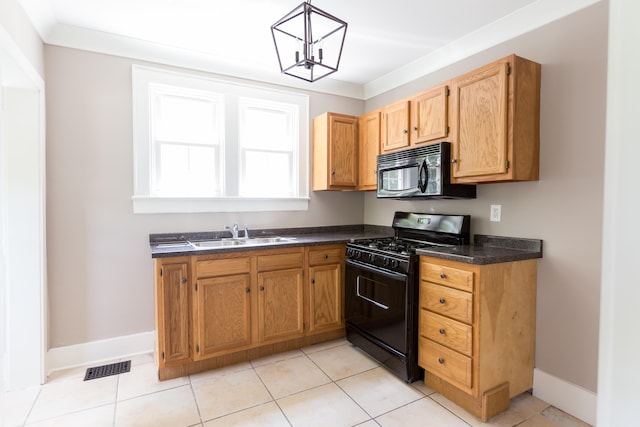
(564, 208)
(100, 268)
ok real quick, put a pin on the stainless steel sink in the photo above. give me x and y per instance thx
(254, 241)
(212, 244)
(264, 240)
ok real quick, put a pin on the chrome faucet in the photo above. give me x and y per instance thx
(246, 232)
(234, 230)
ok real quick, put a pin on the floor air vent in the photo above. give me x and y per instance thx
(107, 370)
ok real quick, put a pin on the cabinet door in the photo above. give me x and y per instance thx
(173, 321)
(395, 126)
(429, 115)
(479, 140)
(343, 151)
(335, 152)
(369, 129)
(280, 309)
(325, 297)
(224, 314)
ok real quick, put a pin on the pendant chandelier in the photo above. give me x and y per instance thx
(308, 42)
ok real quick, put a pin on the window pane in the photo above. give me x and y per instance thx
(184, 170)
(186, 119)
(265, 128)
(267, 175)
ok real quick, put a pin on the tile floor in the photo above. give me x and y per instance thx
(329, 384)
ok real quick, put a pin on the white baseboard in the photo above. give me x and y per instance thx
(89, 353)
(568, 397)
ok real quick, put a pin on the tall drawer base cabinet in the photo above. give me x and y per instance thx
(477, 331)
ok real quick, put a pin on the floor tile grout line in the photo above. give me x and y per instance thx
(115, 403)
(343, 390)
(271, 394)
(195, 400)
(456, 415)
(33, 404)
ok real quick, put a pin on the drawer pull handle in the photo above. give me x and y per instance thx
(326, 256)
(262, 288)
(442, 300)
(443, 276)
(441, 330)
(441, 361)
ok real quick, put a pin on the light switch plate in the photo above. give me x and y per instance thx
(496, 213)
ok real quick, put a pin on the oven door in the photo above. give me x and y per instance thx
(376, 302)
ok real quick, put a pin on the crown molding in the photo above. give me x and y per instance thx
(515, 24)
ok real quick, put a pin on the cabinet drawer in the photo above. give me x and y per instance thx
(280, 261)
(447, 332)
(445, 363)
(446, 301)
(223, 266)
(448, 276)
(325, 256)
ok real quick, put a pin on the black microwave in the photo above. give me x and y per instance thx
(422, 172)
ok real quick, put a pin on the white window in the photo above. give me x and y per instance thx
(204, 145)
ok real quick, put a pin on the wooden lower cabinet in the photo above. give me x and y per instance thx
(326, 288)
(280, 304)
(477, 331)
(173, 310)
(223, 314)
(218, 309)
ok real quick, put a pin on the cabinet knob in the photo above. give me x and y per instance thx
(443, 276)
(405, 131)
(183, 281)
(441, 361)
(313, 281)
(454, 160)
(262, 288)
(326, 256)
(415, 128)
(442, 300)
(247, 290)
(333, 172)
(441, 330)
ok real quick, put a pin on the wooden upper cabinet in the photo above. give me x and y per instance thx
(429, 116)
(369, 139)
(335, 152)
(496, 122)
(395, 126)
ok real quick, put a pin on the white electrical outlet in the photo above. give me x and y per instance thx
(496, 213)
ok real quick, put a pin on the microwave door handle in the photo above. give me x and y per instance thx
(422, 183)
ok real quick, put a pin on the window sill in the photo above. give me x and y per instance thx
(153, 205)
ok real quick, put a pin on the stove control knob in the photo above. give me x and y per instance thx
(357, 254)
(394, 263)
(349, 252)
(386, 262)
(372, 257)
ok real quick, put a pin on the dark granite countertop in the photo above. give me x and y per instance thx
(488, 250)
(175, 244)
(484, 250)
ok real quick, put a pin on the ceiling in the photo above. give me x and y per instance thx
(233, 37)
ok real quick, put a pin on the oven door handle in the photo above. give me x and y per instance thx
(376, 303)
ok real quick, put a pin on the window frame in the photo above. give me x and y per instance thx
(144, 202)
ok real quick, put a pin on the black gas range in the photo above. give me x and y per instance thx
(381, 287)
